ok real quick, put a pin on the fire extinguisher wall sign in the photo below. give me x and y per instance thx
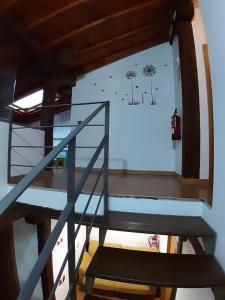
(175, 126)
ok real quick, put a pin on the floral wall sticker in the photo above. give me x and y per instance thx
(142, 96)
(150, 71)
(130, 75)
(141, 91)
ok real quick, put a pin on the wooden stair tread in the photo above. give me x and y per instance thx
(165, 270)
(93, 297)
(124, 221)
(185, 226)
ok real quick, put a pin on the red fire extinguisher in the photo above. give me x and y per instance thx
(175, 126)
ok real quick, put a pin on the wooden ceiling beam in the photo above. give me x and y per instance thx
(46, 61)
(93, 32)
(117, 45)
(6, 3)
(102, 20)
(80, 70)
(10, 54)
(184, 10)
(112, 28)
(57, 8)
(164, 25)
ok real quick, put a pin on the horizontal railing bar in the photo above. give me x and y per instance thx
(4, 120)
(14, 194)
(28, 146)
(32, 166)
(77, 147)
(60, 273)
(92, 161)
(86, 147)
(55, 105)
(20, 165)
(33, 278)
(88, 202)
(56, 126)
(95, 125)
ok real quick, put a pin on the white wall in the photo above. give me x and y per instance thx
(26, 250)
(200, 39)
(193, 294)
(178, 103)
(63, 119)
(57, 200)
(140, 136)
(214, 19)
(26, 156)
(58, 255)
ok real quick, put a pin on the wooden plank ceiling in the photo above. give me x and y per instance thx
(62, 39)
(76, 36)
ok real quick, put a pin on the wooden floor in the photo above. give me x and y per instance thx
(140, 185)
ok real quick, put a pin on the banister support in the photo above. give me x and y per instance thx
(102, 229)
(71, 191)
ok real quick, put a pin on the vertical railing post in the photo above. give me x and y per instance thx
(70, 223)
(103, 229)
(10, 143)
(106, 160)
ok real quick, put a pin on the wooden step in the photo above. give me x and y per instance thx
(116, 295)
(161, 224)
(93, 297)
(123, 221)
(164, 270)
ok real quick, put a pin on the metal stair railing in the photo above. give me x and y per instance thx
(73, 192)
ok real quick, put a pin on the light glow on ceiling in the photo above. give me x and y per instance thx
(29, 101)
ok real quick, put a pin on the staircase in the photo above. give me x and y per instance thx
(157, 269)
(137, 267)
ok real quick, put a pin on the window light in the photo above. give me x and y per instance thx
(29, 101)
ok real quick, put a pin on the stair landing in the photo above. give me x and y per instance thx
(135, 185)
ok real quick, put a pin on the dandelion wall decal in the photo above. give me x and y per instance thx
(130, 75)
(150, 71)
(137, 95)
